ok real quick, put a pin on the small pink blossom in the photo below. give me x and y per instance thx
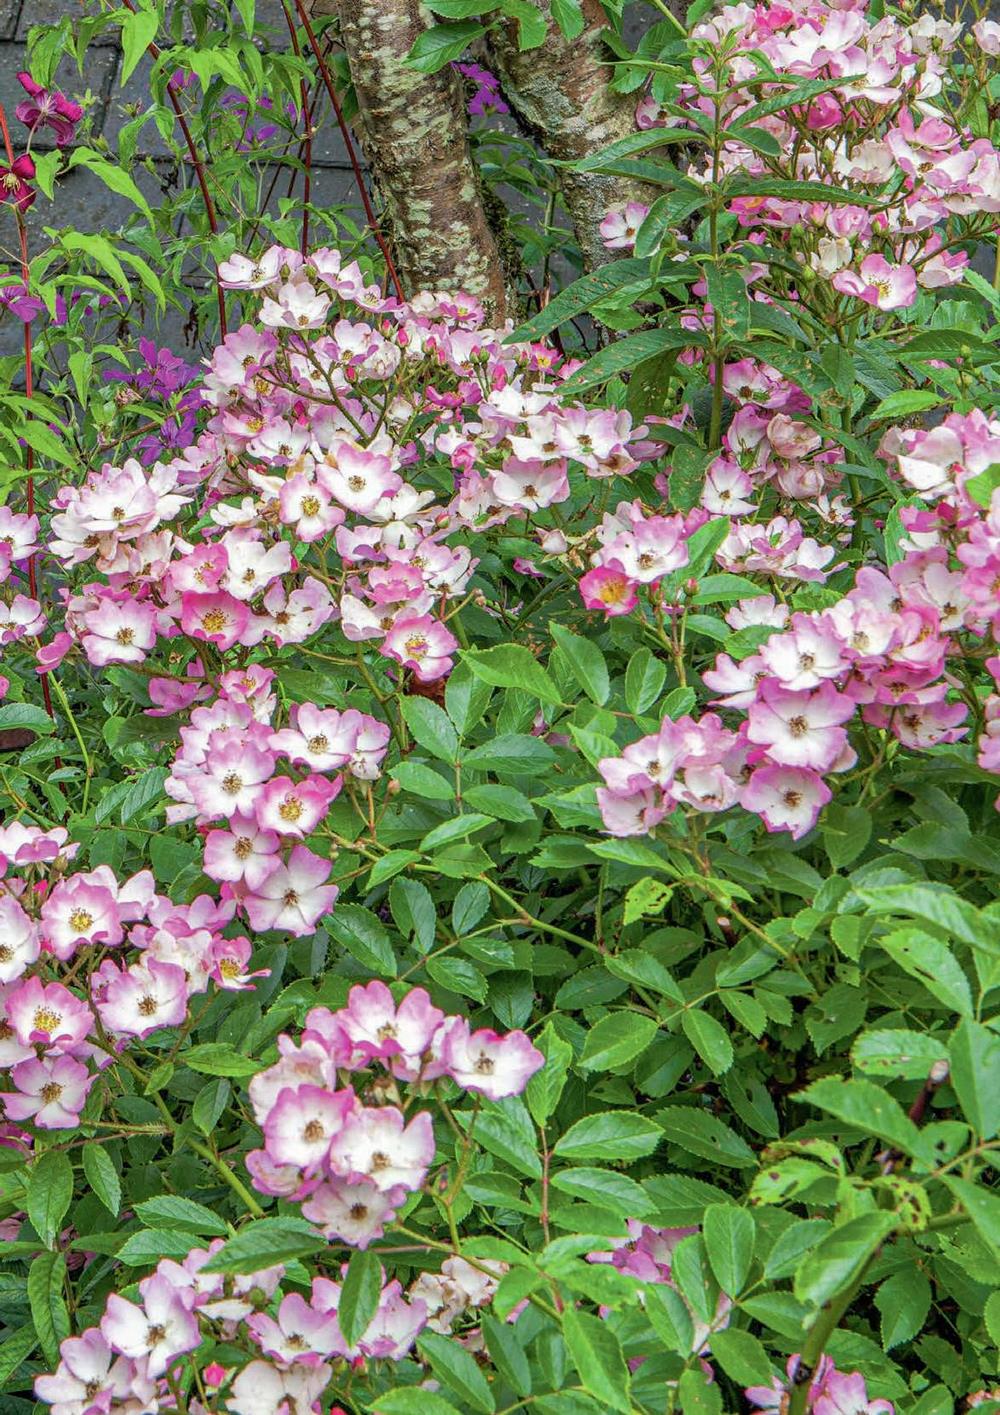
(50, 1091)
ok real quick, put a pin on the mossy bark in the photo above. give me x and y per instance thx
(414, 133)
(561, 94)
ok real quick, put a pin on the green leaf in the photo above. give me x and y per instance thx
(461, 9)
(605, 1188)
(991, 1315)
(932, 904)
(974, 1054)
(728, 1232)
(727, 292)
(618, 1135)
(441, 44)
(359, 1295)
(582, 295)
(45, 1281)
(432, 727)
(644, 680)
(903, 1301)
(906, 1056)
(933, 964)
(507, 1354)
(981, 1204)
(50, 1191)
(219, 1059)
(846, 831)
(569, 17)
(209, 1104)
(709, 1039)
(413, 1400)
(458, 828)
(511, 754)
(423, 781)
(102, 1176)
(699, 1395)
(265, 1242)
(706, 1136)
(364, 936)
(502, 802)
(172, 1211)
(146, 789)
(25, 715)
(147, 1247)
(904, 403)
(867, 1107)
(138, 33)
(742, 1357)
(838, 1260)
(466, 698)
(670, 1319)
(117, 180)
(616, 1040)
(16, 1349)
(531, 25)
(982, 486)
(585, 661)
(645, 899)
(457, 1369)
(512, 666)
(597, 1356)
(627, 353)
(546, 1086)
(505, 1129)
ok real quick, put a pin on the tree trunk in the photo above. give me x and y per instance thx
(414, 133)
(561, 94)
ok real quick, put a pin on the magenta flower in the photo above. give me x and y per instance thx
(303, 1124)
(244, 852)
(50, 1090)
(48, 108)
(15, 182)
(80, 910)
(377, 1144)
(232, 779)
(888, 287)
(295, 896)
(609, 589)
(800, 729)
(142, 998)
(218, 618)
(295, 808)
(355, 1211)
(787, 798)
(163, 1328)
(487, 1063)
(48, 1015)
(423, 645)
(379, 1030)
(19, 941)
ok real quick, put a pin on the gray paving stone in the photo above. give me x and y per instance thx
(8, 17)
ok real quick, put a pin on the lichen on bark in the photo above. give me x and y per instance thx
(414, 133)
(561, 93)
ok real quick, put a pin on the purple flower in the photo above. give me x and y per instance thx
(486, 98)
(48, 108)
(21, 305)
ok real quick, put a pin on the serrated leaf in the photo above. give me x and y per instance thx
(616, 1040)
(49, 1314)
(728, 1232)
(49, 1193)
(359, 1295)
(102, 1177)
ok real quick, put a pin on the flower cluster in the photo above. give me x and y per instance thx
(349, 1164)
(131, 1360)
(56, 1037)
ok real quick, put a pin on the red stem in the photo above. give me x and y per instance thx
(154, 51)
(29, 385)
(307, 118)
(331, 89)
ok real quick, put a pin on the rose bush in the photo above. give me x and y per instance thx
(500, 840)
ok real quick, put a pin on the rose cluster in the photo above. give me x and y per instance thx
(59, 1027)
(352, 1165)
